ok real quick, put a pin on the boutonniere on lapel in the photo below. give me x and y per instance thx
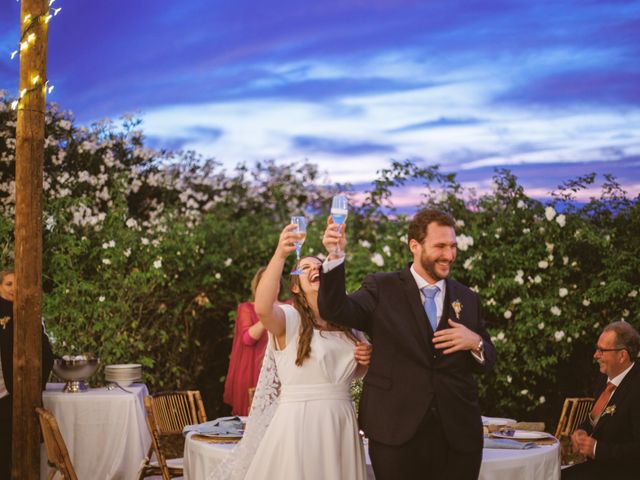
(610, 410)
(457, 308)
(4, 321)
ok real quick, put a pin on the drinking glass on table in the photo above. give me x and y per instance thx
(339, 212)
(301, 232)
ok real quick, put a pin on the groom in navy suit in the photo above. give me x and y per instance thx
(419, 405)
(610, 437)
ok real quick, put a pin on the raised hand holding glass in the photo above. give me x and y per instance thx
(301, 235)
(339, 213)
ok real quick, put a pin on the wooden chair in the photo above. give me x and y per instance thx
(574, 412)
(167, 415)
(251, 392)
(57, 453)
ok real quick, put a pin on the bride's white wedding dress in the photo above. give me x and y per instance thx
(313, 433)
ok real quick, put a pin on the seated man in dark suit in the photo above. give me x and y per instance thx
(7, 293)
(610, 438)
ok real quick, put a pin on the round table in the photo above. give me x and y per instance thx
(105, 431)
(543, 462)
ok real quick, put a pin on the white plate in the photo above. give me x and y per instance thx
(497, 421)
(522, 435)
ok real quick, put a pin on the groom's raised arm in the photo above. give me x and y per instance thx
(337, 307)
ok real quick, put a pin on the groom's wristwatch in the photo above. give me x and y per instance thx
(480, 347)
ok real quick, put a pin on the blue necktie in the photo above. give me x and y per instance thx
(430, 305)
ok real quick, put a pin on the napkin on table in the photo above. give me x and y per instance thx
(219, 426)
(507, 443)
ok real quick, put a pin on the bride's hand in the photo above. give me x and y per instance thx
(362, 353)
(285, 243)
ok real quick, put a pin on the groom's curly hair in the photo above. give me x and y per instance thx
(308, 320)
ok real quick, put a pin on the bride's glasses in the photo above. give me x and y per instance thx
(301, 235)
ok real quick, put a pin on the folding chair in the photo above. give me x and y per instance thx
(167, 415)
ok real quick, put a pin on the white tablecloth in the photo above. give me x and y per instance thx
(105, 431)
(200, 458)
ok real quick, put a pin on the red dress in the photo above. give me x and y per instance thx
(245, 361)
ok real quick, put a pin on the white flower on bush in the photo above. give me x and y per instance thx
(364, 243)
(101, 298)
(625, 313)
(559, 335)
(387, 250)
(501, 336)
(526, 230)
(518, 278)
(507, 314)
(377, 259)
(468, 263)
(64, 124)
(157, 263)
(565, 260)
(521, 204)
(218, 276)
(541, 326)
(404, 238)
(550, 213)
(555, 311)
(127, 252)
(459, 223)
(131, 223)
(491, 301)
(509, 379)
(144, 241)
(633, 293)
(228, 262)
(106, 261)
(543, 264)
(562, 220)
(563, 292)
(549, 246)
(524, 392)
(464, 242)
(541, 400)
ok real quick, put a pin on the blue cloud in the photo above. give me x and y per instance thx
(439, 122)
(338, 147)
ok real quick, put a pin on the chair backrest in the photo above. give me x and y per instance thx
(171, 411)
(57, 453)
(574, 412)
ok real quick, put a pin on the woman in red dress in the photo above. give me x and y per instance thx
(247, 351)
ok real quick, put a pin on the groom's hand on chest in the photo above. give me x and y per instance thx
(456, 338)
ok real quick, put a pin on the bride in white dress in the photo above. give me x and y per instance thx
(313, 434)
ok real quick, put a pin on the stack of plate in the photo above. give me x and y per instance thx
(124, 375)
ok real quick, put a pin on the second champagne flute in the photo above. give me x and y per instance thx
(301, 235)
(339, 212)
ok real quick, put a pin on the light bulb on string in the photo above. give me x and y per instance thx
(13, 54)
(31, 38)
(35, 79)
(48, 18)
(24, 45)
(22, 92)
(56, 11)
(27, 17)
(51, 2)
(14, 104)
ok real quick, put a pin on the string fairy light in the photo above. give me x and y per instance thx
(27, 39)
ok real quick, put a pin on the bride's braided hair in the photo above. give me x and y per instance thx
(307, 319)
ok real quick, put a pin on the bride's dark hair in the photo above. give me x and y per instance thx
(307, 319)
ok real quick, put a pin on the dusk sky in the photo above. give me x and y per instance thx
(550, 90)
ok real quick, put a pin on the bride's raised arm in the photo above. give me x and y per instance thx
(270, 314)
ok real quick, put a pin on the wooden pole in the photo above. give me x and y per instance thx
(27, 351)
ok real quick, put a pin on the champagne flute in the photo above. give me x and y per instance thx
(301, 232)
(339, 213)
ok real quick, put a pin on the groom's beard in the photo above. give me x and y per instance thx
(436, 270)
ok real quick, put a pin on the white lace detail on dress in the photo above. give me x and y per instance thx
(263, 406)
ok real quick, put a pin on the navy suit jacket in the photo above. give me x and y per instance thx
(617, 432)
(407, 374)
